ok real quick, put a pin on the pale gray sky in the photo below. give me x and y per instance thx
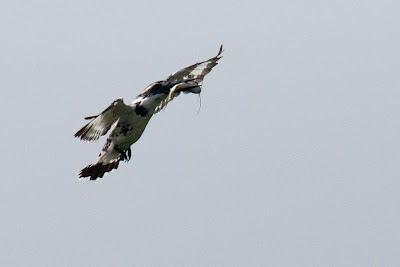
(292, 160)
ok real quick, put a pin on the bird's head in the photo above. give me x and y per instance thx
(189, 86)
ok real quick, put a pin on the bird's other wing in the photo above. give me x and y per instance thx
(196, 71)
(100, 124)
(189, 79)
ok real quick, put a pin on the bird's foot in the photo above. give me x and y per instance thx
(124, 154)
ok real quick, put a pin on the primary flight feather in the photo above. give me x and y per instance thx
(130, 120)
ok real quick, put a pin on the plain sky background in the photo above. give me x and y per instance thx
(292, 160)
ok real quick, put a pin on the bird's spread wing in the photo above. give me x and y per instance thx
(100, 124)
(189, 79)
(196, 71)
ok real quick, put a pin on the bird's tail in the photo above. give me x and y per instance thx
(106, 162)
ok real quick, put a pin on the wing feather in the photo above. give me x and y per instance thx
(196, 71)
(101, 124)
(189, 79)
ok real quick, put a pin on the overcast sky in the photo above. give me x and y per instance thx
(292, 160)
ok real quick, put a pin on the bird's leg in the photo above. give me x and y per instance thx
(124, 154)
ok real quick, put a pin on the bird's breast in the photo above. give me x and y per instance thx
(128, 132)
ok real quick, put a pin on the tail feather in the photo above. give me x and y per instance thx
(98, 170)
(105, 163)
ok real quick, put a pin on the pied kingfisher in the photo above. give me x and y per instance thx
(130, 120)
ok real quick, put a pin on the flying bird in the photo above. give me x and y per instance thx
(128, 122)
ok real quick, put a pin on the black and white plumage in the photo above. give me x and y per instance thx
(129, 121)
